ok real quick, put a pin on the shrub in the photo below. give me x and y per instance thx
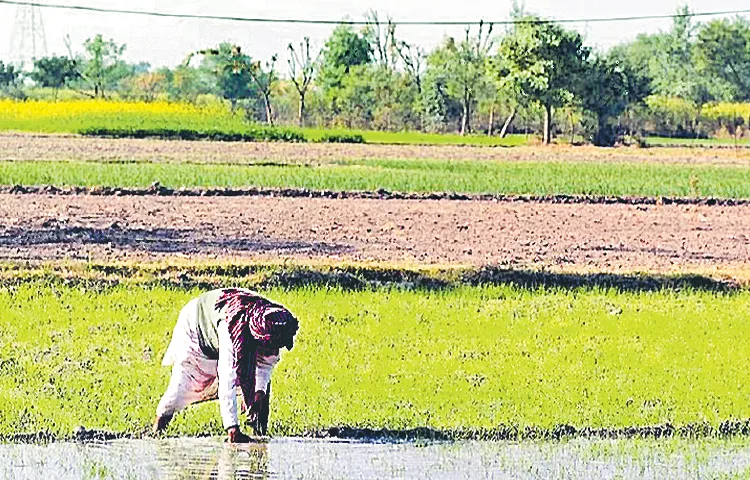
(252, 134)
(342, 138)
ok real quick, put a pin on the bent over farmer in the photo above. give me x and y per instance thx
(223, 339)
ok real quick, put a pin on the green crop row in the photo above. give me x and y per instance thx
(525, 178)
(470, 358)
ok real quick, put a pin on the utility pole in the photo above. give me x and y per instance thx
(28, 40)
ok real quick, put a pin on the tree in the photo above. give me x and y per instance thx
(8, 75)
(382, 39)
(264, 77)
(343, 50)
(102, 66)
(439, 107)
(231, 69)
(301, 71)
(669, 60)
(723, 50)
(413, 58)
(54, 72)
(607, 89)
(463, 68)
(543, 62)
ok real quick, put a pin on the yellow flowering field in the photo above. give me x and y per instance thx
(76, 115)
(111, 118)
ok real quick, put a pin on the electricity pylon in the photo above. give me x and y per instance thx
(28, 40)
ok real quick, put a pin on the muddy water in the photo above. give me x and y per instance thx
(294, 458)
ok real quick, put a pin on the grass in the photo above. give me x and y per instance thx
(470, 358)
(527, 178)
(421, 138)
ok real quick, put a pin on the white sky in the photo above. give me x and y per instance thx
(164, 41)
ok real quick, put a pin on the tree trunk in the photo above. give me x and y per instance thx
(465, 120)
(508, 122)
(269, 113)
(301, 112)
(492, 120)
(572, 128)
(547, 124)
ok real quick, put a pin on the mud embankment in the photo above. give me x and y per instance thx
(158, 190)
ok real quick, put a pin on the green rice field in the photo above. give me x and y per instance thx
(465, 359)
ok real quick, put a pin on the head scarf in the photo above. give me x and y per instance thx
(252, 319)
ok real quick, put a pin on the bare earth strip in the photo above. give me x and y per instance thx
(23, 146)
(657, 238)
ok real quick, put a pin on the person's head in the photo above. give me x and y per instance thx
(280, 328)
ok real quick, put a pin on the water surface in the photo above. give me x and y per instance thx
(211, 458)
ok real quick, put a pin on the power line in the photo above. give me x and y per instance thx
(362, 22)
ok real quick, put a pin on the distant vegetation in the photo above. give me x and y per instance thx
(692, 81)
(170, 120)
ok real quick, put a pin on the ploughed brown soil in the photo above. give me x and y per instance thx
(23, 146)
(590, 237)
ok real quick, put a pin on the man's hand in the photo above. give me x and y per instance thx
(160, 423)
(258, 399)
(258, 414)
(234, 435)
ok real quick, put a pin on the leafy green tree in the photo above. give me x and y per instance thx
(231, 70)
(102, 66)
(11, 83)
(343, 50)
(8, 75)
(54, 72)
(355, 98)
(462, 68)
(439, 107)
(668, 59)
(723, 50)
(607, 89)
(543, 62)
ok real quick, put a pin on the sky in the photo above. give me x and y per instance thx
(166, 42)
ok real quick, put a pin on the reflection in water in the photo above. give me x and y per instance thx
(211, 458)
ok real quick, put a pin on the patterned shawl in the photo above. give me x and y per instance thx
(253, 321)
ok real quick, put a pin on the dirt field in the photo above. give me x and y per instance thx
(62, 147)
(570, 237)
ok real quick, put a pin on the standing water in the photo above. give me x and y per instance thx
(210, 458)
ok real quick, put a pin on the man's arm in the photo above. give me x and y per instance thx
(259, 409)
(227, 385)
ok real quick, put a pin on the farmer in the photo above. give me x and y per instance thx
(223, 339)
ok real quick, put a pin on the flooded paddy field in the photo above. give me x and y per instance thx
(302, 458)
